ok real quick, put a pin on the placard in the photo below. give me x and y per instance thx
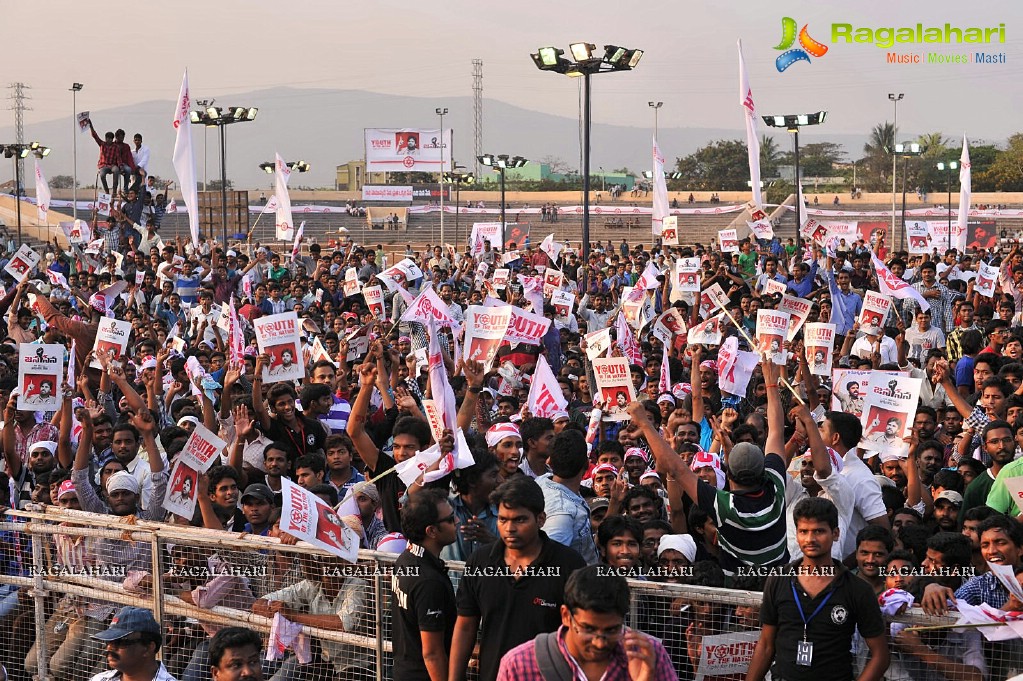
(202, 449)
(22, 263)
(182, 490)
(103, 202)
(305, 516)
(563, 302)
(352, 285)
(987, 276)
(670, 324)
(524, 327)
(712, 299)
(772, 330)
(374, 296)
(773, 287)
(726, 654)
(919, 237)
(706, 333)
(614, 383)
(669, 230)
(729, 240)
(278, 336)
(111, 336)
(819, 345)
(485, 328)
(889, 406)
(552, 280)
(874, 311)
(597, 343)
(687, 277)
(798, 309)
(500, 278)
(40, 369)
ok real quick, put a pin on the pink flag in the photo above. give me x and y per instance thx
(545, 396)
(894, 287)
(184, 159)
(664, 382)
(626, 341)
(440, 388)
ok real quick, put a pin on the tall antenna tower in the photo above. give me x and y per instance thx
(19, 97)
(477, 114)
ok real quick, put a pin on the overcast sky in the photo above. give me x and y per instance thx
(138, 53)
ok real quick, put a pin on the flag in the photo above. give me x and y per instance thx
(735, 367)
(429, 308)
(71, 364)
(664, 382)
(532, 290)
(440, 388)
(298, 242)
(545, 396)
(965, 188)
(551, 247)
(894, 287)
(749, 109)
(626, 341)
(660, 204)
(235, 337)
(42, 193)
(184, 160)
(104, 300)
(57, 279)
(285, 226)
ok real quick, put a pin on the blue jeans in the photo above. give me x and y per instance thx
(198, 668)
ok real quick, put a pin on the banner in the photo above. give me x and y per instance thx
(669, 230)
(597, 343)
(483, 232)
(390, 150)
(182, 490)
(278, 336)
(850, 388)
(735, 367)
(706, 333)
(545, 396)
(485, 328)
(22, 263)
(987, 276)
(524, 327)
(563, 302)
(40, 368)
(874, 311)
(614, 383)
(729, 240)
(919, 237)
(202, 449)
(111, 336)
(798, 310)
(285, 225)
(307, 517)
(660, 201)
(42, 193)
(374, 296)
(184, 159)
(77, 232)
(888, 410)
(772, 330)
(386, 193)
(819, 345)
(516, 236)
(965, 188)
(981, 234)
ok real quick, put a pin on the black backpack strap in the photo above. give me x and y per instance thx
(551, 663)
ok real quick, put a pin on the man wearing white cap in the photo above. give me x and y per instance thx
(675, 557)
(41, 460)
(505, 442)
(22, 429)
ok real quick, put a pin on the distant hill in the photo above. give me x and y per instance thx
(324, 127)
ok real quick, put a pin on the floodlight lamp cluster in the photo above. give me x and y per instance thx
(221, 115)
(586, 59)
(24, 150)
(795, 121)
(908, 148)
(502, 161)
(296, 166)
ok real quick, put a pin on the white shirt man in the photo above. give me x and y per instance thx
(866, 345)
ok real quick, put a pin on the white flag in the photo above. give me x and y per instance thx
(184, 159)
(894, 287)
(42, 193)
(749, 109)
(660, 205)
(664, 383)
(545, 396)
(298, 241)
(551, 247)
(965, 188)
(440, 388)
(285, 226)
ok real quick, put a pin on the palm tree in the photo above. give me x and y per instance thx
(933, 144)
(770, 156)
(882, 139)
(877, 159)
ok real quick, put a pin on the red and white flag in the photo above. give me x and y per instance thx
(56, 279)
(894, 287)
(627, 341)
(965, 189)
(42, 193)
(545, 396)
(427, 308)
(551, 247)
(236, 339)
(664, 382)
(660, 203)
(285, 226)
(184, 159)
(749, 109)
(298, 241)
(440, 388)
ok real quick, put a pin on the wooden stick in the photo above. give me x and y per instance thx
(738, 326)
(792, 390)
(938, 627)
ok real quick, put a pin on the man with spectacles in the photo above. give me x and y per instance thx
(592, 641)
(132, 641)
(423, 602)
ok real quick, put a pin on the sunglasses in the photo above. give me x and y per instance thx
(125, 642)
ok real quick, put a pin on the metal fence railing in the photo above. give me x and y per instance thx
(66, 573)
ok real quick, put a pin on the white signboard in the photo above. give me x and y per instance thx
(390, 150)
(386, 193)
(40, 369)
(278, 336)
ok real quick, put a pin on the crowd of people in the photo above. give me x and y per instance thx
(769, 491)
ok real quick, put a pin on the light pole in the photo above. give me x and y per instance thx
(221, 117)
(19, 152)
(75, 89)
(585, 63)
(904, 150)
(792, 123)
(205, 104)
(895, 99)
(458, 179)
(501, 164)
(656, 106)
(948, 168)
(440, 111)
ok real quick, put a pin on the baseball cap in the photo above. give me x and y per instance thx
(604, 468)
(746, 463)
(67, 487)
(951, 497)
(597, 503)
(635, 452)
(127, 621)
(258, 490)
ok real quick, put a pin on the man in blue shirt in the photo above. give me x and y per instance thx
(801, 284)
(847, 303)
(186, 284)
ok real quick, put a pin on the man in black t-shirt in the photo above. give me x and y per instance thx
(812, 608)
(423, 604)
(299, 434)
(514, 586)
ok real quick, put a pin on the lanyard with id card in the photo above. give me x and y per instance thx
(804, 648)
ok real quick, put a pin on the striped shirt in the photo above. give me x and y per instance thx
(336, 419)
(751, 525)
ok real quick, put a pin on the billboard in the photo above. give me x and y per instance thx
(391, 150)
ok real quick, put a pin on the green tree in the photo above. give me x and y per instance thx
(62, 182)
(770, 156)
(411, 178)
(214, 185)
(720, 166)
(1004, 173)
(818, 159)
(875, 167)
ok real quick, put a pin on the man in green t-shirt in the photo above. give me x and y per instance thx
(748, 260)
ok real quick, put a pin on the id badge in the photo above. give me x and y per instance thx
(804, 653)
